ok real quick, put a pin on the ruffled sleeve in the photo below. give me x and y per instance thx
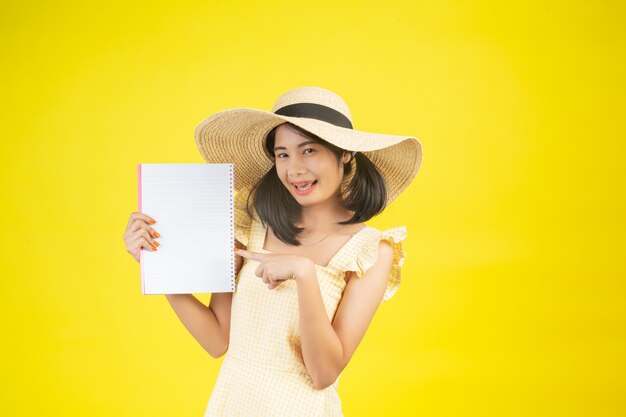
(369, 253)
(242, 218)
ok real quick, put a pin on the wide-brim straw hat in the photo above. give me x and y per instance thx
(238, 136)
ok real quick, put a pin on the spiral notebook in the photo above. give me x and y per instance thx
(193, 208)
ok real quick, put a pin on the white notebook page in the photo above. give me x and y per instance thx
(193, 208)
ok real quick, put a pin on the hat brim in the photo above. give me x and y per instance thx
(237, 136)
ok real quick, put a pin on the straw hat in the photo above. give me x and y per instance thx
(237, 136)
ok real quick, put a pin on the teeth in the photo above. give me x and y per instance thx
(303, 187)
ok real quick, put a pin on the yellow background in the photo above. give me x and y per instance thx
(512, 300)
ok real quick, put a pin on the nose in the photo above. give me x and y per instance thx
(295, 168)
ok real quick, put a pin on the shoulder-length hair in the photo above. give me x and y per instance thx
(365, 194)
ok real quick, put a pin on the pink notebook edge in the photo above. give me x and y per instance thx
(143, 287)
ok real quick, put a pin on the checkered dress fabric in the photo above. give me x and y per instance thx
(263, 372)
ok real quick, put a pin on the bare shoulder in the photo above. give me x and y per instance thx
(352, 229)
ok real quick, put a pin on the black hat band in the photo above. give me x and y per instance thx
(315, 111)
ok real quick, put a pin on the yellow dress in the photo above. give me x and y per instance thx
(263, 372)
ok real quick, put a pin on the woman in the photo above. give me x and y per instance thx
(310, 274)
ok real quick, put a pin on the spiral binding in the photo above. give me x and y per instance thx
(232, 231)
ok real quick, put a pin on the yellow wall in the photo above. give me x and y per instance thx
(512, 300)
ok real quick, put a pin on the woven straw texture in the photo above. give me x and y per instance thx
(237, 136)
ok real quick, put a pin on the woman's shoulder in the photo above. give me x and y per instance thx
(366, 254)
(244, 202)
(367, 238)
(396, 231)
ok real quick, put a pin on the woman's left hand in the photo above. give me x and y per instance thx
(276, 268)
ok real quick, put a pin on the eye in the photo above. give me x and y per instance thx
(309, 149)
(280, 155)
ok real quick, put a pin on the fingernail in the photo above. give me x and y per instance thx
(156, 243)
(236, 249)
(152, 220)
(156, 234)
(153, 247)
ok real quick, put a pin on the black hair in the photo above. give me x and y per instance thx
(275, 206)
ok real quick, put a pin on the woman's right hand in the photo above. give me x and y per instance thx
(139, 234)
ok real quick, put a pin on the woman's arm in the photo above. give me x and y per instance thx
(327, 348)
(200, 321)
(209, 325)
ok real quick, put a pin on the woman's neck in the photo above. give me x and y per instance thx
(323, 217)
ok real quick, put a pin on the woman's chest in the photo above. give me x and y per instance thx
(322, 252)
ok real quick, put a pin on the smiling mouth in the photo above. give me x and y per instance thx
(304, 186)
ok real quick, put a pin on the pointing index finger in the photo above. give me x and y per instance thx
(255, 256)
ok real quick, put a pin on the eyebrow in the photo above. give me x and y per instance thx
(308, 142)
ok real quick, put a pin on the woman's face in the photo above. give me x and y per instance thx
(309, 170)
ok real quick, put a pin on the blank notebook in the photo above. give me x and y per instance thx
(193, 208)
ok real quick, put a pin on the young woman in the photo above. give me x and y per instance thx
(310, 274)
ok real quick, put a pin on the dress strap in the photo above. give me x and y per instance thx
(350, 249)
(257, 236)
